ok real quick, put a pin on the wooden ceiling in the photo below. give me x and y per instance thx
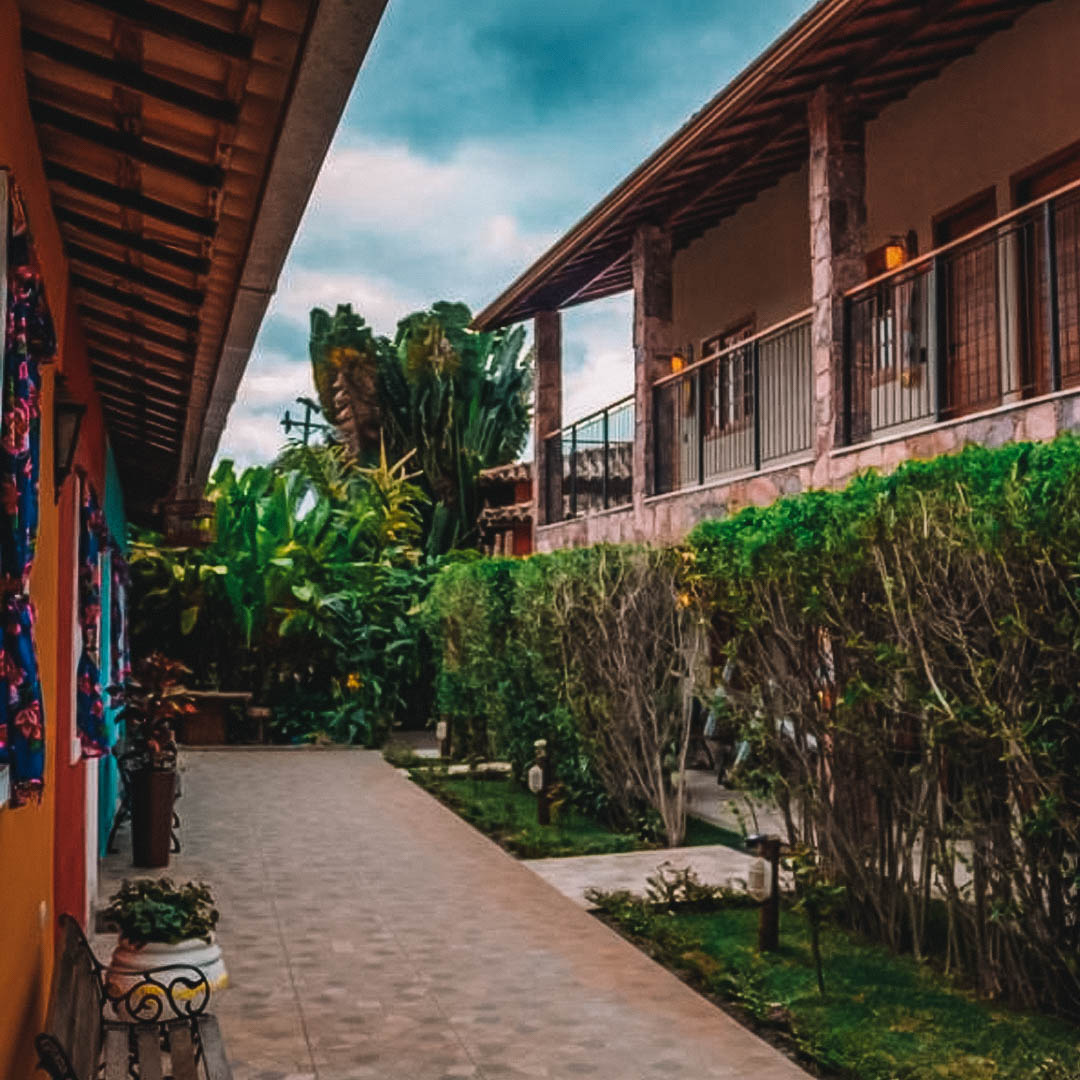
(158, 122)
(752, 134)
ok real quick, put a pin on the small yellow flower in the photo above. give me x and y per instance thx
(684, 599)
(353, 681)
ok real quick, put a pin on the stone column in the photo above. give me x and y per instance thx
(547, 404)
(653, 338)
(837, 251)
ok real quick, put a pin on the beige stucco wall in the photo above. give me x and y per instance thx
(757, 262)
(1013, 102)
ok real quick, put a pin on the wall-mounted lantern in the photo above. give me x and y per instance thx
(67, 423)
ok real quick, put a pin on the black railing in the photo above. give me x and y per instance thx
(589, 466)
(736, 412)
(990, 319)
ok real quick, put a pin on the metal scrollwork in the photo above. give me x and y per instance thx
(148, 997)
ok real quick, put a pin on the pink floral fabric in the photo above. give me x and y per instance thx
(29, 341)
(89, 704)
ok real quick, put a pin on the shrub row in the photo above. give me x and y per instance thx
(900, 657)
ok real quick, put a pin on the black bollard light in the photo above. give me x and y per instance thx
(768, 848)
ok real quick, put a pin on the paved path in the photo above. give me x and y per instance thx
(370, 933)
(713, 864)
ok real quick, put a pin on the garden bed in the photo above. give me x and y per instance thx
(506, 812)
(883, 1017)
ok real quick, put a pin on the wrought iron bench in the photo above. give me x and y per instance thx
(168, 1032)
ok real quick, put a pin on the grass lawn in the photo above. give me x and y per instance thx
(507, 813)
(883, 1017)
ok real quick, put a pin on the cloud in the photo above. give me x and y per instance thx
(468, 147)
(598, 356)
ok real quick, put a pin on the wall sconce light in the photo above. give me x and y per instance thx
(67, 423)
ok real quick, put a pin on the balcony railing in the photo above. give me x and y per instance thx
(737, 411)
(590, 464)
(990, 319)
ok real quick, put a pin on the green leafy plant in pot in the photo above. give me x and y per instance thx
(165, 931)
(152, 703)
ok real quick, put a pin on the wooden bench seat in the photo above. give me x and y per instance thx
(172, 1036)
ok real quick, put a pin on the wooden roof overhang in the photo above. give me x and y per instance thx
(753, 133)
(181, 140)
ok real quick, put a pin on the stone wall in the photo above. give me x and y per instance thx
(669, 518)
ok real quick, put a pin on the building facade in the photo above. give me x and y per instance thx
(866, 248)
(154, 164)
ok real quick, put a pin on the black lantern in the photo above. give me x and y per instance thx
(67, 422)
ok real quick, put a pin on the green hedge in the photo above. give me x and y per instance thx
(902, 658)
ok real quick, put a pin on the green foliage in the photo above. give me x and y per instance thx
(885, 1017)
(506, 811)
(455, 399)
(901, 657)
(152, 703)
(154, 909)
(922, 628)
(586, 648)
(304, 597)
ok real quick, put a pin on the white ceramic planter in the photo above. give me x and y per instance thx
(129, 961)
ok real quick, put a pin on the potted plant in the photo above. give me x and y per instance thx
(152, 702)
(162, 926)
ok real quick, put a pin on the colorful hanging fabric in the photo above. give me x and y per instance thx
(89, 704)
(29, 341)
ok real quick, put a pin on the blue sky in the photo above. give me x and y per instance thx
(476, 134)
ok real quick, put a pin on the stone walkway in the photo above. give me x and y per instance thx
(370, 933)
(631, 870)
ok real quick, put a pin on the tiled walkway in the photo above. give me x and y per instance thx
(370, 933)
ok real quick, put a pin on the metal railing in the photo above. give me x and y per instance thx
(989, 319)
(737, 411)
(589, 466)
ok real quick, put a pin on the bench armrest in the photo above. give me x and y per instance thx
(162, 993)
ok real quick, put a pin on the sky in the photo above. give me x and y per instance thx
(477, 133)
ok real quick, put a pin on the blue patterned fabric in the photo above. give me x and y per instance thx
(28, 342)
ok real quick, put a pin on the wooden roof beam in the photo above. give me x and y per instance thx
(134, 146)
(123, 349)
(130, 200)
(136, 275)
(126, 73)
(135, 302)
(127, 430)
(160, 364)
(125, 238)
(169, 23)
(122, 377)
(133, 361)
(139, 417)
(130, 326)
(117, 393)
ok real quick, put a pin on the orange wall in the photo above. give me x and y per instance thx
(27, 834)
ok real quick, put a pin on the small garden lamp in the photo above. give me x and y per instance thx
(768, 848)
(67, 423)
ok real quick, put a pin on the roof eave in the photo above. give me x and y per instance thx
(337, 41)
(820, 19)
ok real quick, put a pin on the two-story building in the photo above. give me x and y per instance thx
(866, 248)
